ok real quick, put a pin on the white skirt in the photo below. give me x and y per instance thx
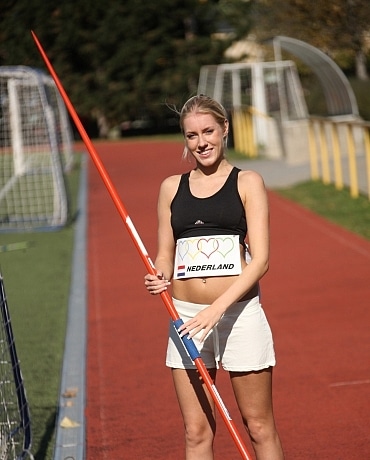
(241, 341)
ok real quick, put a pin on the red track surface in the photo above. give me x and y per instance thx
(316, 296)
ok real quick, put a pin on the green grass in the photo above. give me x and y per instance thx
(37, 280)
(336, 206)
(20, 195)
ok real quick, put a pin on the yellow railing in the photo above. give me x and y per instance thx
(244, 142)
(335, 147)
(338, 141)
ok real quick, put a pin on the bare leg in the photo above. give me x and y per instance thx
(253, 392)
(197, 409)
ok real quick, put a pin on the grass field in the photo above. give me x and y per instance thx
(336, 206)
(37, 280)
(22, 189)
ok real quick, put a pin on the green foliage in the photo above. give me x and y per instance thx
(324, 24)
(122, 60)
(337, 27)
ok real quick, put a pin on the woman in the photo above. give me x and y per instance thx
(203, 221)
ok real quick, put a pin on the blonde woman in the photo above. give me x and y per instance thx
(205, 217)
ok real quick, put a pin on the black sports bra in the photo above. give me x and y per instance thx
(220, 214)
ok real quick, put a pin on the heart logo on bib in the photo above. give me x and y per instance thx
(226, 247)
(208, 246)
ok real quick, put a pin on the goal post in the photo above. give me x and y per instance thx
(15, 128)
(260, 97)
(36, 149)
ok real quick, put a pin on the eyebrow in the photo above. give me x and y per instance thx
(207, 128)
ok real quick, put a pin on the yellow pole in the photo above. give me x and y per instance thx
(367, 153)
(242, 129)
(250, 140)
(313, 150)
(236, 130)
(353, 182)
(246, 133)
(338, 176)
(324, 155)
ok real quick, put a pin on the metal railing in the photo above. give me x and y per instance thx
(338, 149)
(338, 145)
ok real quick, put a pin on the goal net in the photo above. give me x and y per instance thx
(35, 151)
(15, 423)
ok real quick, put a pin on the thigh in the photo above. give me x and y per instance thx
(253, 393)
(196, 404)
(246, 342)
(177, 357)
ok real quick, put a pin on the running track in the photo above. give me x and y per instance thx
(316, 296)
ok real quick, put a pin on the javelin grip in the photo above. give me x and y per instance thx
(188, 342)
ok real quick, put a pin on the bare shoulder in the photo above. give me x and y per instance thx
(250, 180)
(252, 189)
(169, 187)
(171, 182)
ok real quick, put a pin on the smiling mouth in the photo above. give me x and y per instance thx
(205, 152)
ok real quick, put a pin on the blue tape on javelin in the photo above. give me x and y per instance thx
(188, 343)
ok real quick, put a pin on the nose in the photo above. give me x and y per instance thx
(202, 143)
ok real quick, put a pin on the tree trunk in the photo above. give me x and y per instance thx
(361, 71)
(102, 123)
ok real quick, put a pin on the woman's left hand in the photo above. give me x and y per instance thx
(204, 321)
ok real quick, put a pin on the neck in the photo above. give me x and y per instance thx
(220, 167)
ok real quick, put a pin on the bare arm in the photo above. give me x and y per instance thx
(254, 195)
(166, 244)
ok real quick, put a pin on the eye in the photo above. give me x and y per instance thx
(190, 136)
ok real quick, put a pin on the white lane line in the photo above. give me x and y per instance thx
(351, 382)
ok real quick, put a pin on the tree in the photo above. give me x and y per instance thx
(123, 60)
(332, 26)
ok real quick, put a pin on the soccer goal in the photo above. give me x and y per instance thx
(35, 151)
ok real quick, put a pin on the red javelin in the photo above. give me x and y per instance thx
(189, 344)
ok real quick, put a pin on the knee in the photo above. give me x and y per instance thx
(260, 430)
(197, 435)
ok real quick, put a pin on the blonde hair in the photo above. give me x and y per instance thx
(203, 104)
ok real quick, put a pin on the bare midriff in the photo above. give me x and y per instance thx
(206, 290)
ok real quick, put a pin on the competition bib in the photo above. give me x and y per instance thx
(200, 257)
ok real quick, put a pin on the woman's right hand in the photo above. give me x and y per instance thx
(156, 284)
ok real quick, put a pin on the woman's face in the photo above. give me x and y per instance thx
(204, 137)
